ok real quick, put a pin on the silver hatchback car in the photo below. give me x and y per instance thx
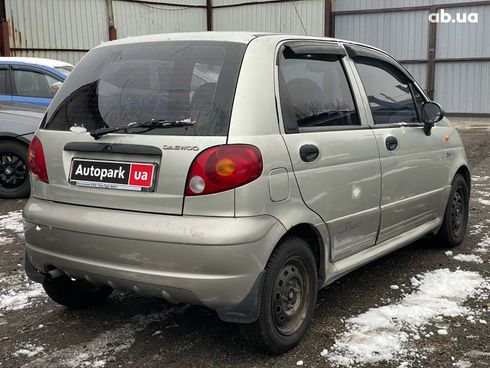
(238, 171)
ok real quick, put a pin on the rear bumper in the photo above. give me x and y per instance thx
(211, 261)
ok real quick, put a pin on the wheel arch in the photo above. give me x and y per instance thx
(247, 311)
(465, 172)
(13, 138)
(310, 234)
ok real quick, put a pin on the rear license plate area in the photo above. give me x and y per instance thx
(119, 175)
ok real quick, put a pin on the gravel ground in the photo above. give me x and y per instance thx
(132, 331)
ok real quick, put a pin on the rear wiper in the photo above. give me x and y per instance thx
(152, 124)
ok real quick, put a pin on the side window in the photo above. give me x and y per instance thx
(315, 93)
(3, 81)
(35, 84)
(388, 91)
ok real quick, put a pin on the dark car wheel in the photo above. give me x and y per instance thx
(75, 294)
(288, 298)
(455, 222)
(14, 174)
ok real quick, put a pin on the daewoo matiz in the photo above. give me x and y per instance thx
(238, 171)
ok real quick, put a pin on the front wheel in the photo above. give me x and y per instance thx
(455, 222)
(288, 298)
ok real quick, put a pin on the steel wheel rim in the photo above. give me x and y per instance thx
(13, 170)
(458, 211)
(290, 295)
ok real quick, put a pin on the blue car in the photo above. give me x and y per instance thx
(32, 81)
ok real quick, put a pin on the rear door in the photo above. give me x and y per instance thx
(333, 151)
(412, 162)
(32, 85)
(140, 169)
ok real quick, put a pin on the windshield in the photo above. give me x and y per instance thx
(66, 70)
(173, 81)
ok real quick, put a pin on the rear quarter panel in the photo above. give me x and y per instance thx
(255, 121)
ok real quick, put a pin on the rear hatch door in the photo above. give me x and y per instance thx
(138, 169)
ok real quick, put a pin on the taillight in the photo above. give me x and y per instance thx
(37, 162)
(222, 168)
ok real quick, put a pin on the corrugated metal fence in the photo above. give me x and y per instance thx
(139, 18)
(67, 29)
(449, 59)
(299, 17)
(56, 29)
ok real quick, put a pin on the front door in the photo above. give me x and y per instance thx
(333, 152)
(412, 163)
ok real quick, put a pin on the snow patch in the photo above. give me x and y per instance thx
(468, 258)
(18, 292)
(479, 179)
(462, 364)
(12, 222)
(483, 193)
(387, 333)
(485, 202)
(477, 229)
(29, 350)
(483, 245)
(97, 352)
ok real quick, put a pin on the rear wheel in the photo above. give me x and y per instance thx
(14, 176)
(288, 298)
(453, 228)
(76, 294)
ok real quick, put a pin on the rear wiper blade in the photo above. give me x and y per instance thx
(97, 133)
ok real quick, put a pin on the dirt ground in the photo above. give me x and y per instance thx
(132, 331)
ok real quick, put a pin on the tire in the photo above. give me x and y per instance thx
(76, 294)
(455, 222)
(14, 174)
(287, 300)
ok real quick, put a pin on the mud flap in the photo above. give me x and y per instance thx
(247, 311)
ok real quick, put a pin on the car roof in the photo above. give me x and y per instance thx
(37, 61)
(240, 37)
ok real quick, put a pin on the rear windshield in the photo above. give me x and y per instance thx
(173, 81)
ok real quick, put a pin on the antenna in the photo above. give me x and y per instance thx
(299, 17)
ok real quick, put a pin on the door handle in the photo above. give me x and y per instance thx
(309, 152)
(391, 143)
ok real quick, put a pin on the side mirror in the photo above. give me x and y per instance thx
(432, 112)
